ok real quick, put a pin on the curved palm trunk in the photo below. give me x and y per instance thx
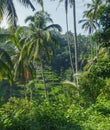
(70, 55)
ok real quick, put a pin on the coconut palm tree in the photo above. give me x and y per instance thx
(90, 21)
(41, 39)
(72, 3)
(89, 25)
(93, 8)
(7, 8)
(69, 48)
(91, 16)
(39, 30)
(22, 67)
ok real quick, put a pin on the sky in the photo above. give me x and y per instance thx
(57, 13)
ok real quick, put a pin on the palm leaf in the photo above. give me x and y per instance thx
(27, 3)
(54, 26)
(5, 56)
(29, 18)
(5, 71)
(71, 84)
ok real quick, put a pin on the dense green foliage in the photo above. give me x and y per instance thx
(38, 90)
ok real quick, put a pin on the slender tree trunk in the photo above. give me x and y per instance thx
(75, 36)
(75, 40)
(44, 82)
(69, 48)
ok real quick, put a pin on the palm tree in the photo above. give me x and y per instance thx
(93, 8)
(66, 12)
(72, 3)
(70, 55)
(75, 37)
(41, 39)
(23, 68)
(90, 21)
(40, 32)
(91, 15)
(89, 25)
(7, 8)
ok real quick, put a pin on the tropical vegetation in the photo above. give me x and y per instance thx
(55, 81)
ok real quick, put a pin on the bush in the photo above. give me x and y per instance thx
(15, 115)
(91, 86)
(20, 114)
(52, 116)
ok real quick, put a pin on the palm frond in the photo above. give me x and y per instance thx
(54, 26)
(11, 12)
(6, 58)
(29, 18)
(27, 3)
(5, 71)
(69, 83)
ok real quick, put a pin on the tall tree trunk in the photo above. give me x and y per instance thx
(69, 48)
(75, 40)
(75, 36)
